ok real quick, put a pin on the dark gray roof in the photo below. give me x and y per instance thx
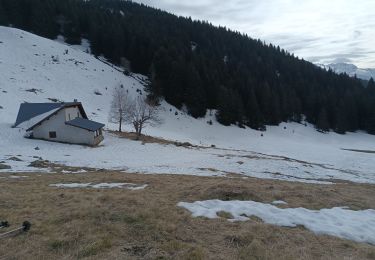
(85, 124)
(31, 110)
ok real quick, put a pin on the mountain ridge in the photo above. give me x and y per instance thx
(350, 69)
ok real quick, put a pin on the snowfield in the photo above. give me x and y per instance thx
(358, 226)
(34, 69)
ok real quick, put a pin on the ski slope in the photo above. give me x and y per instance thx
(34, 69)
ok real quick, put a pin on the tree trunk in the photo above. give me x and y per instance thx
(136, 127)
(139, 130)
(120, 125)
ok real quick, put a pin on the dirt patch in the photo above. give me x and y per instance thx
(40, 164)
(147, 224)
(4, 166)
(34, 90)
(359, 151)
(226, 193)
(142, 251)
(55, 100)
(14, 158)
(151, 139)
(224, 214)
(59, 168)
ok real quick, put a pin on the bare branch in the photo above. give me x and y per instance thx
(119, 106)
(138, 111)
(140, 114)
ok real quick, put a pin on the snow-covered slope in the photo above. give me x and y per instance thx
(34, 69)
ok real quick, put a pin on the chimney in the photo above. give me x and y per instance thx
(75, 100)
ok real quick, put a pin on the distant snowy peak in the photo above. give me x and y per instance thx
(351, 70)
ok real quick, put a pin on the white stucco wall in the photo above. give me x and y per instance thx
(64, 133)
(71, 113)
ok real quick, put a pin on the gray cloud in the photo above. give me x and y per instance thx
(318, 30)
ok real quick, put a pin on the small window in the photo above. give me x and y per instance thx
(52, 134)
(69, 117)
(77, 114)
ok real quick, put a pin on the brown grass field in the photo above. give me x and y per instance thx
(147, 224)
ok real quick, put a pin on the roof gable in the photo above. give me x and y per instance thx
(80, 107)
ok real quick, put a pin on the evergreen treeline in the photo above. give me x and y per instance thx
(194, 64)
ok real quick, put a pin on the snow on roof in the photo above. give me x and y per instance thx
(85, 124)
(36, 119)
(28, 111)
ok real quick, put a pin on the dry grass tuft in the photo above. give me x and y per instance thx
(147, 139)
(224, 214)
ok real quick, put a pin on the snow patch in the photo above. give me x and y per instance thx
(79, 171)
(129, 186)
(341, 222)
(279, 202)
(17, 177)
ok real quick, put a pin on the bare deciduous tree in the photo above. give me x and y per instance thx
(119, 106)
(141, 113)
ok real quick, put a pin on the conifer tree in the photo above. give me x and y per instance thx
(322, 123)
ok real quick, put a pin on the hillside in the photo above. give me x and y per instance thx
(35, 69)
(290, 151)
(196, 66)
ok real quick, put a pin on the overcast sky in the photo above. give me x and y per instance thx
(322, 31)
